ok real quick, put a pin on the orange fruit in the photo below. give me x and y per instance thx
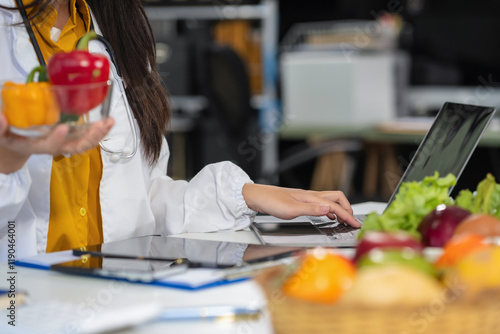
(321, 277)
(458, 247)
(482, 224)
(476, 272)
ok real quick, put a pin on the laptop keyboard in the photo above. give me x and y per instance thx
(333, 229)
(340, 231)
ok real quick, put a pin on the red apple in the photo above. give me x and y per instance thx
(438, 226)
(386, 240)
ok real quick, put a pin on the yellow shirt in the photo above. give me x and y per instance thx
(75, 212)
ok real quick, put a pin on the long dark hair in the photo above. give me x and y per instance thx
(125, 24)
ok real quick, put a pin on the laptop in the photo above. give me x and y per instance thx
(446, 148)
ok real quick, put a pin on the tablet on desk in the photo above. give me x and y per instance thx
(173, 262)
(129, 269)
(193, 252)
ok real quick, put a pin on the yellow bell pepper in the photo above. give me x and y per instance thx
(29, 104)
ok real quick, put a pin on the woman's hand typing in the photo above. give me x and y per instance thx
(286, 203)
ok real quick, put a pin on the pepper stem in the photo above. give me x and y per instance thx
(42, 74)
(83, 42)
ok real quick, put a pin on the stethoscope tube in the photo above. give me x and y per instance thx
(123, 153)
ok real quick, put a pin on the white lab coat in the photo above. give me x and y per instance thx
(136, 199)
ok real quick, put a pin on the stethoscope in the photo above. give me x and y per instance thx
(126, 152)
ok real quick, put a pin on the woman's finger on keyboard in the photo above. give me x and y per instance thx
(336, 197)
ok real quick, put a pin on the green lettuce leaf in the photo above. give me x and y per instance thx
(413, 201)
(486, 198)
(465, 199)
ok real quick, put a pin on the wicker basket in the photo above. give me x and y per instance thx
(480, 315)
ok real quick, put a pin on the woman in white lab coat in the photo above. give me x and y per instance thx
(135, 197)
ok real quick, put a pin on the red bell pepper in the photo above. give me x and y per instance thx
(86, 73)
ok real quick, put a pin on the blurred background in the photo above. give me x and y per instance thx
(321, 95)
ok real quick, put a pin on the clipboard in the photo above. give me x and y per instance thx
(188, 264)
(159, 273)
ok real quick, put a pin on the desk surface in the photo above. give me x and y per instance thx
(93, 294)
(102, 294)
(402, 132)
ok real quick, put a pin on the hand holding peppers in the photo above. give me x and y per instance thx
(78, 83)
(15, 150)
(87, 72)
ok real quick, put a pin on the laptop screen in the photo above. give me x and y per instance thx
(449, 143)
